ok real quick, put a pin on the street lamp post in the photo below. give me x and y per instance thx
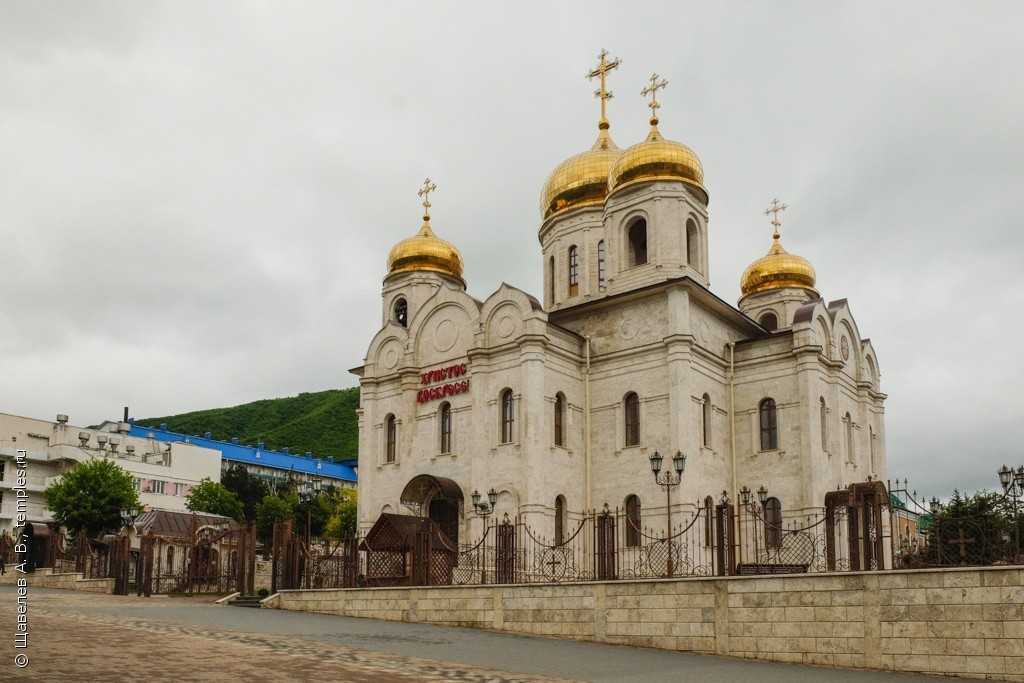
(1012, 482)
(484, 509)
(668, 480)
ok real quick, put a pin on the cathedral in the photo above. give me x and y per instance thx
(558, 405)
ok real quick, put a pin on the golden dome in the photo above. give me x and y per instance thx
(580, 180)
(425, 251)
(776, 270)
(657, 158)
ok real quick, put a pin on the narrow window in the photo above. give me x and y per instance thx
(574, 271)
(631, 405)
(773, 523)
(602, 275)
(823, 418)
(632, 521)
(871, 447)
(401, 311)
(446, 427)
(769, 425)
(508, 416)
(170, 558)
(559, 419)
(559, 520)
(706, 420)
(638, 242)
(551, 281)
(391, 432)
(769, 321)
(692, 245)
(709, 522)
(849, 437)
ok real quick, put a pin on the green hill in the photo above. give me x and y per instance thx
(323, 422)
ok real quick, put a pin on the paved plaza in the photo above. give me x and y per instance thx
(84, 637)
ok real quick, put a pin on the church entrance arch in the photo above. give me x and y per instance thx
(438, 498)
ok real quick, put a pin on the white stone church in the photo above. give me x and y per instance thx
(558, 405)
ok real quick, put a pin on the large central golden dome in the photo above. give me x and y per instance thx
(425, 251)
(580, 180)
(657, 158)
(776, 270)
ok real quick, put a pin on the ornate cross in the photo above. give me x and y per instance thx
(424, 192)
(604, 67)
(774, 210)
(963, 542)
(553, 563)
(657, 83)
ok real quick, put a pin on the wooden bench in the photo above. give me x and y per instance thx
(762, 569)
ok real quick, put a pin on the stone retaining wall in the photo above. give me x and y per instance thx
(47, 579)
(968, 622)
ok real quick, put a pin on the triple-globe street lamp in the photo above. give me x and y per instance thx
(1012, 482)
(668, 481)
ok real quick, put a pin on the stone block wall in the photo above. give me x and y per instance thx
(69, 581)
(964, 622)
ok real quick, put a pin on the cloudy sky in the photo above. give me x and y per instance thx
(197, 199)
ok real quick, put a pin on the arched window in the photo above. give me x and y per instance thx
(559, 520)
(602, 273)
(551, 281)
(769, 425)
(705, 420)
(445, 416)
(692, 245)
(849, 437)
(170, 558)
(823, 418)
(508, 416)
(709, 522)
(769, 321)
(574, 271)
(401, 310)
(631, 409)
(391, 431)
(632, 521)
(559, 419)
(773, 523)
(638, 242)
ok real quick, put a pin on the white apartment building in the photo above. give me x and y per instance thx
(164, 472)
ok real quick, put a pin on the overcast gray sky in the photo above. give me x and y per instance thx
(197, 199)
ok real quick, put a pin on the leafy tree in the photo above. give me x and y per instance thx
(215, 498)
(342, 521)
(273, 509)
(89, 497)
(250, 490)
(971, 530)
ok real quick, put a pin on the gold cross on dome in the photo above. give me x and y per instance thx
(657, 83)
(424, 192)
(601, 71)
(774, 210)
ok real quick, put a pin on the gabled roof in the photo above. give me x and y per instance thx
(254, 455)
(179, 524)
(393, 532)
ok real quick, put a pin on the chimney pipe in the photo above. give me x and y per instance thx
(125, 413)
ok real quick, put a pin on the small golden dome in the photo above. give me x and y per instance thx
(657, 158)
(425, 251)
(580, 180)
(776, 270)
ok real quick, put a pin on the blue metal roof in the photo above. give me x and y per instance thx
(254, 455)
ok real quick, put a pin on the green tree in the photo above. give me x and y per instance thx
(273, 509)
(89, 497)
(342, 521)
(215, 498)
(249, 489)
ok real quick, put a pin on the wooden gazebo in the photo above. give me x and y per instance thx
(404, 550)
